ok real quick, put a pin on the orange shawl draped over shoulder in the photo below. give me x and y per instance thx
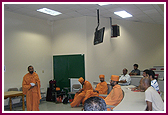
(102, 87)
(33, 95)
(115, 96)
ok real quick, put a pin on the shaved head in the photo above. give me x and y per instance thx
(147, 81)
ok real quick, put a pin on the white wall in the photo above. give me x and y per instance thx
(141, 43)
(69, 36)
(30, 41)
(27, 41)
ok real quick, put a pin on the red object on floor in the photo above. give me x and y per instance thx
(59, 99)
(70, 100)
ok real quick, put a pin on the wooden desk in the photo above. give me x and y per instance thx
(11, 94)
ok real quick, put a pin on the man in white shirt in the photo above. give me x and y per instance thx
(154, 82)
(125, 79)
(153, 100)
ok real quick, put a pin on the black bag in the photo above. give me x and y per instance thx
(65, 101)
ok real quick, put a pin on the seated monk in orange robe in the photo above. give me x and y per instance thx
(31, 88)
(116, 94)
(81, 93)
(101, 88)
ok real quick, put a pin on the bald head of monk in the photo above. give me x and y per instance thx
(145, 83)
(101, 78)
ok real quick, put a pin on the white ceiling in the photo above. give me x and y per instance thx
(149, 13)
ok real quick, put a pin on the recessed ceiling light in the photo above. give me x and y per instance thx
(123, 14)
(49, 11)
(103, 4)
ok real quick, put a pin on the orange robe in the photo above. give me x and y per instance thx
(101, 87)
(33, 95)
(79, 96)
(89, 93)
(115, 96)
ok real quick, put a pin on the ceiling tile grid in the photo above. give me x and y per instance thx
(150, 13)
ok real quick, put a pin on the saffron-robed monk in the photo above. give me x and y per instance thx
(79, 96)
(101, 88)
(31, 88)
(116, 94)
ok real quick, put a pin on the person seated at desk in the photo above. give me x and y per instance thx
(145, 74)
(101, 88)
(154, 82)
(136, 71)
(95, 104)
(79, 96)
(153, 100)
(116, 94)
(125, 79)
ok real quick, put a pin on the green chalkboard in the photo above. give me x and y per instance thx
(68, 66)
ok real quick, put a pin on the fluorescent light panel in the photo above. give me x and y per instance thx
(123, 14)
(49, 11)
(103, 4)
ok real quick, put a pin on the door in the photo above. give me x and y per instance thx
(68, 66)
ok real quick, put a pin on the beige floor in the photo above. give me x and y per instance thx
(51, 106)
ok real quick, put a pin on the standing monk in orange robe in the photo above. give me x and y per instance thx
(81, 93)
(116, 94)
(101, 88)
(31, 88)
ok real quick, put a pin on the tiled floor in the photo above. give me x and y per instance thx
(51, 106)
